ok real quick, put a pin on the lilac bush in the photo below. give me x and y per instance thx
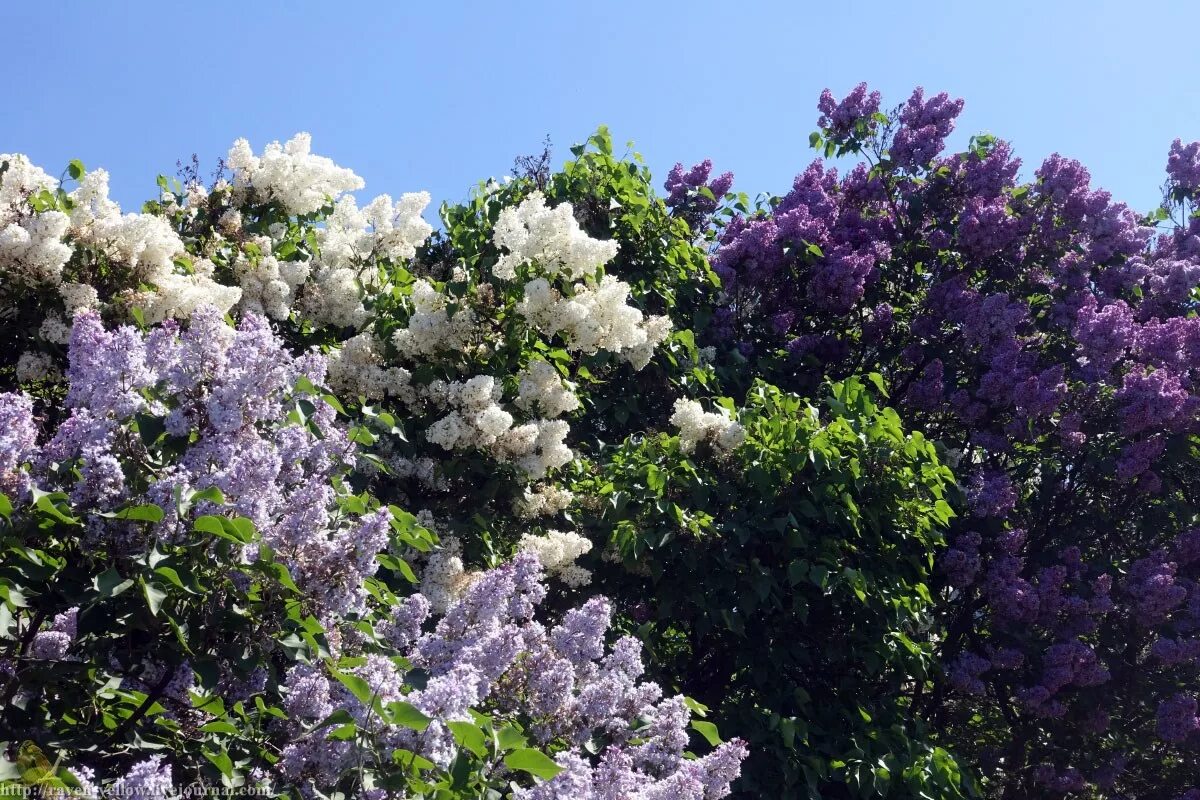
(189, 534)
(216, 402)
(1047, 336)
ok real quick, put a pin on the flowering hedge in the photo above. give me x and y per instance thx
(312, 498)
(1046, 335)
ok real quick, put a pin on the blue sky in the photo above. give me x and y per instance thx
(438, 95)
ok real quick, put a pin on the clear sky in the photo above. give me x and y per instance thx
(438, 95)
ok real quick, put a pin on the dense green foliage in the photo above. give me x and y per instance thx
(880, 489)
(787, 586)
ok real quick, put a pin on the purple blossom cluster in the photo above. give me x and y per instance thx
(924, 126)
(489, 652)
(18, 437)
(1183, 166)
(842, 117)
(146, 780)
(1177, 718)
(227, 395)
(683, 185)
(1045, 331)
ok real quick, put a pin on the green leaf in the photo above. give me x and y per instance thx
(357, 686)
(242, 528)
(238, 529)
(344, 732)
(708, 731)
(397, 564)
(142, 513)
(535, 762)
(154, 596)
(75, 169)
(469, 735)
(212, 494)
(403, 713)
(208, 524)
(510, 738)
(171, 575)
(46, 506)
(110, 583)
(222, 762)
(150, 428)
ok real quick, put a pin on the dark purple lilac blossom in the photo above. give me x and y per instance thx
(1183, 166)
(1046, 334)
(841, 118)
(683, 190)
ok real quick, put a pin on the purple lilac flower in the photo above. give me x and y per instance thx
(1176, 718)
(146, 780)
(1152, 585)
(1155, 399)
(991, 494)
(681, 186)
(839, 118)
(924, 126)
(963, 673)
(1183, 166)
(18, 436)
(961, 562)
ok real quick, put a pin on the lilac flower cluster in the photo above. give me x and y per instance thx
(763, 252)
(683, 187)
(488, 652)
(227, 394)
(1177, 718)
(54, 642)
(1046, 332)
(924, 126)
(147, 780)
(1183, 166)
(841, 118)
(18, 436)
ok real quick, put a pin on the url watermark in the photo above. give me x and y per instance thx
(189, 790)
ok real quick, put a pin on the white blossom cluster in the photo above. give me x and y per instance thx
(334, 297)
(432, 328)
(697, 425)
(591, 316)
(350, 241)
(542, 389)
(35, 246)
(423, 469)
(289, 174)
(532, 233)
(542, 501)
(537, 447)
(55, 329)
(557, 551)
(477, 421)
(269, 286)
(32, 251)
(382, 229)
(357, 369)
(595, 318)
(443, 576)
(328, 291)
(76, 296)
(143, 242)
(35, 366)
(177, 296)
